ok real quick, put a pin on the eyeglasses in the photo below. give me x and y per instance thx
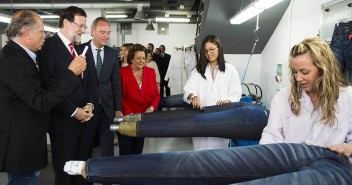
(210, 51)
(81, 26)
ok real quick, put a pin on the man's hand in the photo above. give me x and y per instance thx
(89, 110)
(81, 114)
(78, 65)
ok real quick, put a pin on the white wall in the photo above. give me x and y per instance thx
(301, 20)
(241, 61)
(179, 35)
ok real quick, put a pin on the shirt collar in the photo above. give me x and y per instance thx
(94, 47)
(29, 52)
(63, 38)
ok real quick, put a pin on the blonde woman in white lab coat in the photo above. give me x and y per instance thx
(212, 82)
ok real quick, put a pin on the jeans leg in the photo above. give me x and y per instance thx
(173, 102)
(219, 166)
(246, 122)
(341, 46)
(27, 178)
(319, 172)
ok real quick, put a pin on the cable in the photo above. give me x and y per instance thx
(254, 45)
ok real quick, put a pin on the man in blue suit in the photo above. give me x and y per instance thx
(104, 82)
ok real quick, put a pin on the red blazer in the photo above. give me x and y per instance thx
(134, 99)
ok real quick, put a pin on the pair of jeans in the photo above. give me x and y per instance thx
(174, 101)
(341, 45)
(284, 163)
(25, 178)
(233, 120)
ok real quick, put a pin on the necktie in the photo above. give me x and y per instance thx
(35, 59)
(99, 64)
(74, 56)
(72, 50)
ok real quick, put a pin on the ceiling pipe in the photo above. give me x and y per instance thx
(56, 5)
(131, 20)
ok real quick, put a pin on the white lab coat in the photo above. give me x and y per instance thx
(178, 72)
(225, 86)
(285, 127)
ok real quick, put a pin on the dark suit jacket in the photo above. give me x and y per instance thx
(55, 59)
(24, 104)
(134, 99)
(163, 65)
(108, 85)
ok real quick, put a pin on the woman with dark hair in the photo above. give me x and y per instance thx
(139, 94)
(212, 82)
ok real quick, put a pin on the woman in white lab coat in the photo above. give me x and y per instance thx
(212, 82)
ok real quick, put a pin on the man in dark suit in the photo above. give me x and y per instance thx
(105, 83)
(24, 102)
(163, 65)
(71, 136)
(155, 56)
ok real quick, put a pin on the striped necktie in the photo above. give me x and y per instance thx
(99, 64)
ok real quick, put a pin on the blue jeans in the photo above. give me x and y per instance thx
(173, 101)
(289, 164)
(26, 178)
(342, 46)
(234, 120)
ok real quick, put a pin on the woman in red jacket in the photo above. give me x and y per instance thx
(139, 94)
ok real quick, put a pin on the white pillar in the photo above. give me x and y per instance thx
(91, 15)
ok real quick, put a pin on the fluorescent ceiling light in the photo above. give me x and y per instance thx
(5, 19)
(169, 19)
(51, 29)
(246, 14)
(49, 16)
(253, 9)
(116, 16)
(266, 4)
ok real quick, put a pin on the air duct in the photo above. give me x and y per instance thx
(56, 5)
(140, 14)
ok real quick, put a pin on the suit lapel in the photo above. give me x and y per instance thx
(106, 64)
(90, 60)
(62, 48)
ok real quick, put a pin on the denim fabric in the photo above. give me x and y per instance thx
(174, 101)
(27, 178)
(234, 120)
(270, 164)
(341, 45)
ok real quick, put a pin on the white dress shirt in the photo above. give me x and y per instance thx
(225, 86)
(286, 127)
(95, 52)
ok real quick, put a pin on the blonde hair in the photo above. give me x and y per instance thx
(328, 83)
